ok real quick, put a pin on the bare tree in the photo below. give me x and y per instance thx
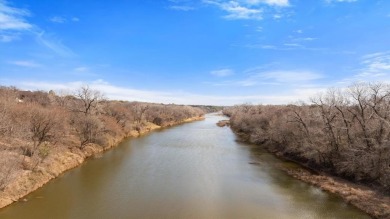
(42, 125)
(89, 99)
(88, 128)
(361, 111)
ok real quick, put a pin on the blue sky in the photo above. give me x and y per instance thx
(216, 52)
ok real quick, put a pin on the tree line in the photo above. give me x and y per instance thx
(341, 131)
(35, 125)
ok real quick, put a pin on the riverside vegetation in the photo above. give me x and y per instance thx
(341, 132)
(44, 134)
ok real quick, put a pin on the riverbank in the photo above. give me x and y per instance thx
(366, 199)
(66, 158)
(369, 200)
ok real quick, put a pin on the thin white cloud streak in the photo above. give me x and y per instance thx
(13, 23)
(222, 72)
(304, 39)
(181, 8)
(53, 44)
(58, 19)
(5, 38)
(81, 69)
(375, 66)
(237, 11)
(25, 63)
(284, 47)
(13, 18)
(251, 9)
(121, 93)
(290, 76)
(330, 1)
(258, 76)
(61, 19)
(280, 3)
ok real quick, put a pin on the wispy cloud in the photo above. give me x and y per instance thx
(25, 63)
(130, 94)
(5, 38)
(293, 45)
(181, 8)
(81, 69)
(280, 3)
(285, 47)
(304, 39)
(13, 18)
(57, 19)
(12, 22)
(330, 1)
(375, 65)
(261, 76)
(277, 16)
(259, 29)
(222, 72)
(182, 5)
(54, 44)
(62, 19)
(236, 10)
(289, 76)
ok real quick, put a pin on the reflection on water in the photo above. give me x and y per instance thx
(195, 170)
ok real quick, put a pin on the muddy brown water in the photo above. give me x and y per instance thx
(195, 170)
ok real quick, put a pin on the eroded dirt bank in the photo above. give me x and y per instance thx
(373, 202)
(369, 200)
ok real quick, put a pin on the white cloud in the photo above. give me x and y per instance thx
(259, 29)
(237, 11)
(12, 22)
(281, 3)
(277, 16)
(292, 45)
(81, 69)
(181, 8)
(61, 19)
(25, 63)
(375, 65)
(122, 93)
(259, 76)
(289, 76)
(5, 38)
(53, 44)
(222, 72)
(265, 46)
(285, 47)
(250, 9)
(330, 1)
(58, 19)
(13, 18)
(304, 39)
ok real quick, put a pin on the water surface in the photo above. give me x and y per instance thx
(195, 170)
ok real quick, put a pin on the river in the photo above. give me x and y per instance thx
(194, 170)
